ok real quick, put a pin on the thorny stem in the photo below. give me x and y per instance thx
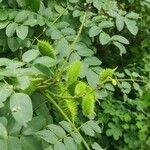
(66, 118)
(73, 44)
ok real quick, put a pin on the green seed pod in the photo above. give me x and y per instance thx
(80, 88)
(46, 49)
(32, 87)
(69, 106)
(105, 75)
(88, 104)
(74, 71)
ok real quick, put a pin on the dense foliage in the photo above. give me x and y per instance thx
(74, 75)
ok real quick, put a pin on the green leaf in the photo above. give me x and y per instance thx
(59, 146)
(132, 15)
(56, 34)
(11, 28)
(102, 94)
(23, 82)
(13, 143)
(76, 136)
(13, 127)
(96, 146)
(3, 131)
(120, 22)
(3, 121)
(5, 91)
(109, 87)
(83, 50)
(94, 30)
(62, 47)
(74, 71)
(34, 125)
(136, 86)
(94, 126)
(66, 125)
(33, 4)
(76, 13)
(120, 39)
(21, 16)
(13, 43)
(21, 107)
(70, 143)
(42, 110)
(3, 24)
(46, 61)
(106, 24)
(74, 57)
(31, 22)
(48, 136)
(30, 143)
(5, 61)
(92, 78)
(92, 61)
(126, 85)
(88, 130)
(3, 14)
(3, 144)
(30, 55)
(22, 32)
(68, 31)
(21, 2)
(121, 48)
(104, 38)
(60, 9)
(57, 130)
(114, 130)
(131, 25)
(73, 1)
(43, 69)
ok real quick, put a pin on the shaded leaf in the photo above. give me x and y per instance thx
(21, 107)
(11, 28)
(30, 55)
(104, 38)
(121, 48)
(22, 32)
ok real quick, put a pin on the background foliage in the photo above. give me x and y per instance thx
(74, 74)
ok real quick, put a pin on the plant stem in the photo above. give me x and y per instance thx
(74, 42)
(133, 80)
(51, 25)
(66, 118)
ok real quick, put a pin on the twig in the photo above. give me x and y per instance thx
(66, 118)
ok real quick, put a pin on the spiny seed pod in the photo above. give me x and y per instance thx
(33, 86)
(105, 75)
(46, 49)
(88, 104)
(80, 88)
(69, 106)
(74, 71)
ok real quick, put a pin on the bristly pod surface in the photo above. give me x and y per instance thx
(46, 49)
(105, 75)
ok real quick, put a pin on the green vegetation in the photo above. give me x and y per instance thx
(74, 75)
